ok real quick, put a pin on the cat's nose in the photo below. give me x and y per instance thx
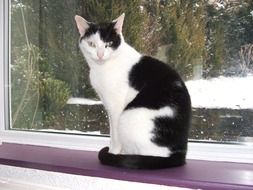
(100, 54)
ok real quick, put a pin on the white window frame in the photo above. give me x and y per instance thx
(197, 150)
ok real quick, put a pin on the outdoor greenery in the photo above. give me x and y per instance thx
(199, 38)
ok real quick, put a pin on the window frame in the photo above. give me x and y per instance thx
(198, 150)
(3, 59)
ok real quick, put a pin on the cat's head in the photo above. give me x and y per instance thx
(100, 42)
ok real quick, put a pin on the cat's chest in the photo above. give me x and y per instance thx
(109, 80)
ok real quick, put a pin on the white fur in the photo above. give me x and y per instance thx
(136, 131)
(110, 80)
(131, 130)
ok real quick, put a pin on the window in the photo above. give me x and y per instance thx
(209, 43)
(47, 69)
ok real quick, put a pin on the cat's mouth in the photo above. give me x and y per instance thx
(100, 61)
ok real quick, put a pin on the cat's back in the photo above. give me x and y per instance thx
(159, 85)
(151, 71)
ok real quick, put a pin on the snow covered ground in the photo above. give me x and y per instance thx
(83, 101)
(221, 92)
(70, 131)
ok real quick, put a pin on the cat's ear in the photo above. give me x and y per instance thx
(81, 24)
(119, 23)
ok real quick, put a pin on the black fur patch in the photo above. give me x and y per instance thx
(157, 84)
(171, 132)
(160, 86)
(140, 161)
(106, 31)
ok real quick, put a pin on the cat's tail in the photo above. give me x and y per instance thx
(141, 162)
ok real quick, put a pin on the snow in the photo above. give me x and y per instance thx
(220, 6)
(70, 131)
(83, 101)
(222, 92)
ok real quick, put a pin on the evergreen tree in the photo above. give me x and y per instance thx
(229, 28)
(215, 43)
(184, 30)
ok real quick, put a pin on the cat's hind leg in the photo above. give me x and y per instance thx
(136, 128)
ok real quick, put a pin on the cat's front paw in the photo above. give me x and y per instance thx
(115, 150)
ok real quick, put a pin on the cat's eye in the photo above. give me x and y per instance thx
(108, 44)
(91, 44)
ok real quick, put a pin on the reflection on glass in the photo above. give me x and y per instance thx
(208, 42)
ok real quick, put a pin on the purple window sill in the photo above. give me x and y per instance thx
(195, 174)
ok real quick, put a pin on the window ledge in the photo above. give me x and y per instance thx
(195, 174)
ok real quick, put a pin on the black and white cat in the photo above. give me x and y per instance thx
(147, 102)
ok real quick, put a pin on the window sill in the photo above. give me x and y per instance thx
(195, 174)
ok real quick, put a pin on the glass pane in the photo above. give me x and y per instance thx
(47, 69)
(210, 43)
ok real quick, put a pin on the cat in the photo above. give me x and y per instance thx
(147, 102)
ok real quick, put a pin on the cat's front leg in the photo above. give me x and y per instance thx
(123, 98)
(115, 144)
(113, 114)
